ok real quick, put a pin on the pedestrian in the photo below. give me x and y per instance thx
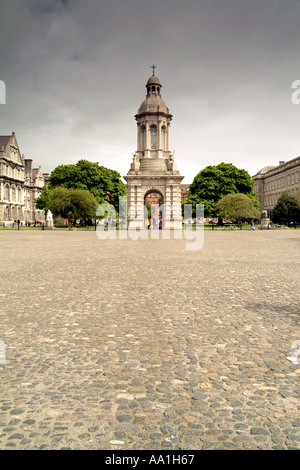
(252, 227)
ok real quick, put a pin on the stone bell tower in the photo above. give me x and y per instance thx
(153, 168)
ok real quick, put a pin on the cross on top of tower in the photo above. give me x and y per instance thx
(153, 67)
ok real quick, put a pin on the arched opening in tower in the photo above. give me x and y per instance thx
(155, 211)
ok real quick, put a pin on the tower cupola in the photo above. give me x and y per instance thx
(153, 86)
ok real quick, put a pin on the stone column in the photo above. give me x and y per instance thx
(135, 205)
(147, 148)
(139, 138)
(130, 202)
(173, 220)
(159, 134)
(168, 136)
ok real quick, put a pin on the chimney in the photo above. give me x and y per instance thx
(28, 166)
(281, 162)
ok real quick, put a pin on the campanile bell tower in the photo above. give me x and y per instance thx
(153, 168)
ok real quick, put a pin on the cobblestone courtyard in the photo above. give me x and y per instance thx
(140, 344)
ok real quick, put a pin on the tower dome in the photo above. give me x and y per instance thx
(153, 80)
(153, 102)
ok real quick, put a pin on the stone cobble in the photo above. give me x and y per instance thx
(141, 344)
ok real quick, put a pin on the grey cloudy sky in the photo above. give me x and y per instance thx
(75, 74)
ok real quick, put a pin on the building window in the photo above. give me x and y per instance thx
(163, 140)
(6, 194)
(153, 137)
(144, 140)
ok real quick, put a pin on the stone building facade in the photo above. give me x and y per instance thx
(153, 169)
(20, 184)
(272, 181)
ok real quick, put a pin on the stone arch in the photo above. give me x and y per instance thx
(153, 189)
(157, 207)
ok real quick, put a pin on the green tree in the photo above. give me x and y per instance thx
(148, 207)
(237, 206)
(105, 184)
(214, 182)
(42, 201)
(287, 210)
(72, 204)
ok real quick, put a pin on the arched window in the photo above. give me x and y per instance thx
(6, 194)
(153, 137)
(163, 140)
(144, 140)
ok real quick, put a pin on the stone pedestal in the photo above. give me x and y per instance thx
(265, 222)
(49, 224)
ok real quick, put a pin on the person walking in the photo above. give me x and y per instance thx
(252, 227)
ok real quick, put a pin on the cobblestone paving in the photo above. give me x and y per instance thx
(140, 344)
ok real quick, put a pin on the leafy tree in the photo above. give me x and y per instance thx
(214, 182)
(193, 199)
(237, 206)
(42, 201)
(105, 184)
(72, 204)
(287, 210)
(148, 207)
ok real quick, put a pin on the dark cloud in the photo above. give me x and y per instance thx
(75, 74)
(46, 7)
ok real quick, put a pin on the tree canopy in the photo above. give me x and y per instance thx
(287, 210)
(72, 204)
(42, 201)
(216, 181)
(237, 206)
(105, 184)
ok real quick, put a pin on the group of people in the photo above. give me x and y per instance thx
(155, 223)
